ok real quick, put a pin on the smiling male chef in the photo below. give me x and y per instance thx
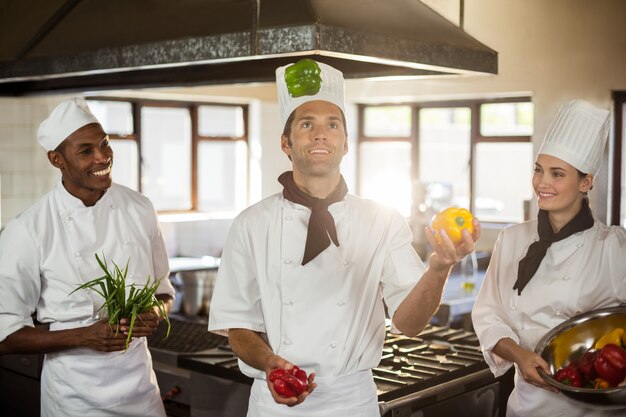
(304, 272)
(48, 250)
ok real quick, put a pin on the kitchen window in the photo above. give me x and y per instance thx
(617, 166)
(183, 156)
(423, 157)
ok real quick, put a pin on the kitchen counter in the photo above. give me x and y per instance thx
(458, 300)
(191, 264)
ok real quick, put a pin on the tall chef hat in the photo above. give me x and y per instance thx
(65, 119)
(577, 135)
(329, 79)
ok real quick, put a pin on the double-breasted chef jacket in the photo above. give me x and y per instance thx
(326, 316)
(45, 254)
(581, 273)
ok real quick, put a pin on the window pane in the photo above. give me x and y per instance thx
(503, 180)
(385, 174)
(388, 121)
(444, 157)
(116, 117)
(166, 157)
(220, 121)
(506, 119)
(222, 176)
(125, 163)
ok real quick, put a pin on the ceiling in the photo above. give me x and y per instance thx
(63, 45)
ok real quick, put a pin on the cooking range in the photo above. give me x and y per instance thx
(436, 373)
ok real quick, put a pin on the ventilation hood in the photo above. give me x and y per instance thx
(63, 45)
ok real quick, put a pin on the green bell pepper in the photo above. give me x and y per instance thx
(303, 78)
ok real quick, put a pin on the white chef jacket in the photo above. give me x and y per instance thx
(581, 273)
(45, 254)
(326, 316)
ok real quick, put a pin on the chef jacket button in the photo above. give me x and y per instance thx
(126, 242)
(287, 341)
(288, 218)
(113, 206)
(580, 245)
(68, 218)
(557, 312)
(333, 345)
(565, 278)
(341, 303)
(287, 261)
(288, 302)
(77, 254)
(346, 263)
(513, 308)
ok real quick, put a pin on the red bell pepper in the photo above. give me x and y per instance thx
(585, 366)
(289, 383)
(610, 364)
(569, 376)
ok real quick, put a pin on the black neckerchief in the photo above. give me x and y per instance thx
(536, 252)
(321, 227)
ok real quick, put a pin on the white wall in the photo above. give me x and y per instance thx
(25, 171)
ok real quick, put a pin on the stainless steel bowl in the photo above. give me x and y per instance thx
(569, 341)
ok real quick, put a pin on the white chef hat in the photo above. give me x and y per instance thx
(577, 135)
(65, 119)
(331, 90)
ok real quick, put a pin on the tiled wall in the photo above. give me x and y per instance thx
(25, 172)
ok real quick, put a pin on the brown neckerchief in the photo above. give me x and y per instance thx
(321, 229)
(536, 252)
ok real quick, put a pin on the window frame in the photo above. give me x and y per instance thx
(616, 165)
(476, 137)
(192, 106)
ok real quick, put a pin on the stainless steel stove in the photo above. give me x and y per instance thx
(439, 370)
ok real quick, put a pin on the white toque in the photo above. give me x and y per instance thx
(331, 90)
(65, 119)
(578, 135)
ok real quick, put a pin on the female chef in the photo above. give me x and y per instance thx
(48, 250)
(550, 269)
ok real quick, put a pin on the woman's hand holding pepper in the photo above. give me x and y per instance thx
(277, 362)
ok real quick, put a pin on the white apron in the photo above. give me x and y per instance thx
(84, 382)
(351, 395)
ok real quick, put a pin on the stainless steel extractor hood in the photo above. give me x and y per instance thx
(61, 45)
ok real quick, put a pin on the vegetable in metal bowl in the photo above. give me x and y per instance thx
(569, 341)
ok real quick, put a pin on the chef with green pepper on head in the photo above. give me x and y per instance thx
(304, 272)
(48, 251)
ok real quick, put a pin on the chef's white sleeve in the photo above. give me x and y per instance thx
(489, 317)
(236, 300)
(20, 282)
(403, 268)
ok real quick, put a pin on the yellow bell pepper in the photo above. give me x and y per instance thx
(453, 220)
(615, 337)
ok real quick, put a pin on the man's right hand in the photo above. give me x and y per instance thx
(277, 362)
(103, 337)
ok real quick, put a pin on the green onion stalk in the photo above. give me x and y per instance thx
(112, 287)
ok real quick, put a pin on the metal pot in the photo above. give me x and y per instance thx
(197, 289)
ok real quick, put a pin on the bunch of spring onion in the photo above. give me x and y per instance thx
(112, 287)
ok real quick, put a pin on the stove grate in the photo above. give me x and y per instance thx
(185, 337)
